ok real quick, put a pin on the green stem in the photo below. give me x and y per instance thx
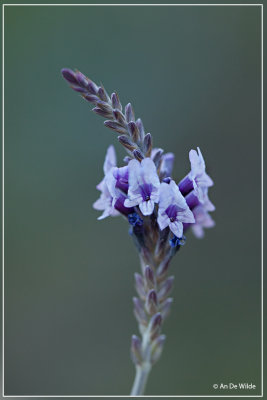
(142, 372)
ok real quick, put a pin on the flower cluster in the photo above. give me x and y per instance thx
(143, 188)
(159, 212)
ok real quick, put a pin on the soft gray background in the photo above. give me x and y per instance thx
(193, 75)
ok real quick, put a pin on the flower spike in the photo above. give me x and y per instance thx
(157, 210)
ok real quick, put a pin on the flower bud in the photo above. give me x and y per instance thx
(115, 126)
(102, 94)
(138, 155)
(149, 277)
(133, 130)
(151, 302)
(157, 347)
(69, 75)
(119, 116)
(129, 113)
(154, 325)
(165, 289)
(165, 307)
(126, 142)
(139, 312)
(116, 101)
(147, 144)
(140, 127)
(136, 350)
(139, 285)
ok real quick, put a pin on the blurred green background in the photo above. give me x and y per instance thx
(193, 76)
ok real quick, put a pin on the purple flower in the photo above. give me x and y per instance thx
(105, 202)
(121, 175)
(166, 166)
(173, 209)
(113, 188)
(118, 189)
(143, 185)
(193, 201)
(203, 220)
(197, 180)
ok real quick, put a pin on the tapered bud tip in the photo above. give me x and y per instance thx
(136, 301)
(157, 320)
(148, 272)
(69, 75)
(115, 101)
(138, 155)
(135, 340)
(140, 125)
(157, 348)
(148, 138)
(152, 296)
(157, 156)
(102, 94)
(129, 113)
(137, 276)
(149, 275)
(136, 351)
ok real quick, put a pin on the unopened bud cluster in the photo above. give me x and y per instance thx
(132, 134)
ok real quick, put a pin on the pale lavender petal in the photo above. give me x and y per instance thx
(203, 220)
(99, 204)
(110, 159)
(134, 174)
(165, 197)
(177, 195)
(207, 204)
(111, 182)
(150, 172)
(177, 228)
(107, 187)
(200, 179)
(186, 216)
(155, 195)
(163, 221)
(197, 163)
(204, 180)
(167, 164)
(108, 212)
(133, 202)
(101, 185)
(198, 231)
(147, 207)
(143, 185)
(173, 206)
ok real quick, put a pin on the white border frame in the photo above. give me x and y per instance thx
(3, 199)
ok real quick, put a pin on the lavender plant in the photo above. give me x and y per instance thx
(158, 210)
